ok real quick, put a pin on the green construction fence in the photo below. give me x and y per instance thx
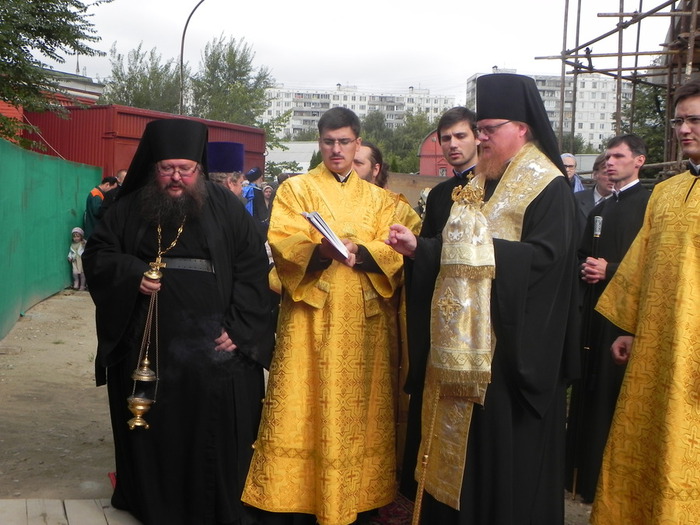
(42, 199)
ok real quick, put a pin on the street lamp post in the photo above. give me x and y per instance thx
(182, 50)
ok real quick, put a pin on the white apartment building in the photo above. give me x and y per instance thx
(596, 103)
(308, 105)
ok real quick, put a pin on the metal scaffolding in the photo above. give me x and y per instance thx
(671, 65)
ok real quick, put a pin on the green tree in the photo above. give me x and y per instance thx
(647, 119)
(316, 159)
(33, 31)
(277, 168)
(576, 144)
(406, 140)
(375, 129)
(303, 136)
(144, 81)
(229, 88)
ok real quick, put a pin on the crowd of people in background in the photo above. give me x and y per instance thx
(522, 334)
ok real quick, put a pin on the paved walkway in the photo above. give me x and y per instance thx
(62, 512)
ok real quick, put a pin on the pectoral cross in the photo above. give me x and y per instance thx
(154, 273)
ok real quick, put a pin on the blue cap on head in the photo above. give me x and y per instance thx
(225, 157)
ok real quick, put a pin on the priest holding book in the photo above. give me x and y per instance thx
(326, 446)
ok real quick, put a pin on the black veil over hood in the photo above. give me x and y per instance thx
(515, 97)
(166, 139)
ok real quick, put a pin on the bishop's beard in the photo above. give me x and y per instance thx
(157, 207)
(492, 166)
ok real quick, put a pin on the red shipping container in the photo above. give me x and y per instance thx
(107, 136)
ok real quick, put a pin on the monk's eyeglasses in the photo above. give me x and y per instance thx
(169, 171)
(490, 130)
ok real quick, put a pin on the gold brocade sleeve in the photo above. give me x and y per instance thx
(406, 215)
(293, 240)
(290, 240)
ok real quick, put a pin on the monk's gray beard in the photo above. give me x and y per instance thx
(159, 207)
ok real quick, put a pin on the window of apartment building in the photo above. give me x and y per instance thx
(345, 97)
(580, 125)
(592, 125)
(602, 125)
(336, 97)
(602, 116)
(363, 107)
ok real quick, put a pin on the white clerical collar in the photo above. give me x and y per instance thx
(597, 197)
(626, 187)
(342, 178)
(695, 168)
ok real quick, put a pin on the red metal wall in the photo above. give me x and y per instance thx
(432, 161)
(107, 136)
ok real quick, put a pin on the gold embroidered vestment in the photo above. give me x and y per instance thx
(326, 444)
(651, 466)
(462, 340)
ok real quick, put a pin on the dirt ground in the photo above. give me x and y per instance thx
(55, 434)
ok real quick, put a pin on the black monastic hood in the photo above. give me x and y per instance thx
(166, 139)
(515, 97)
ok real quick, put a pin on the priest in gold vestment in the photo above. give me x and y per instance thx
(651, 466)
(326, 446)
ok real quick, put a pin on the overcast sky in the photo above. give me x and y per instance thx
(378, 45)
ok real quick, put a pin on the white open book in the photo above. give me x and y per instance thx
(317, 222)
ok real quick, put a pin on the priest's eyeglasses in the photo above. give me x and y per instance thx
(490, 130)
(168, 170)
(691, 120)
(341, 142)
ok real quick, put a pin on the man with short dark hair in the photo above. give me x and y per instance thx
(188, 337)
(651, 465)
(326, 447)
(501, 349)
(254, 198)
(590, 198)
(93, 204)
(611, 227)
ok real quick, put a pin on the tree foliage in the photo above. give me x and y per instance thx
(316, 159)
(273, 169)
(576, 144)
(399, 145)
(144, 81)
(304, 135)
(227, 86)
(31, 32)
(647, 119)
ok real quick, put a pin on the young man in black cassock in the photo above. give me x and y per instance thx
(512, 470)
(210, 333)
(594, 396)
